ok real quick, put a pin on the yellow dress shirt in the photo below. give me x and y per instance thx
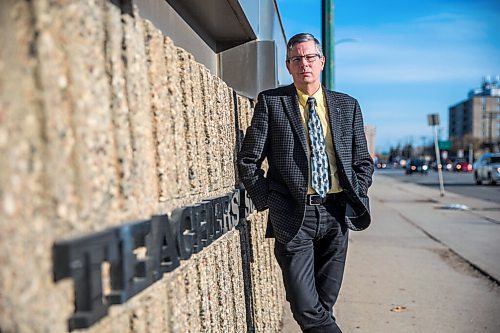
(327, 131)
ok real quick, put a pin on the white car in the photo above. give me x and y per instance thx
(487, 168)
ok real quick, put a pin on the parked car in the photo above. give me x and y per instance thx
(416, 165)
(462, 166)
(487, 168)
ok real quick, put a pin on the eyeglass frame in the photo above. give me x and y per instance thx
(298, 59)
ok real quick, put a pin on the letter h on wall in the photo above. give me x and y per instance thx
(108, 268)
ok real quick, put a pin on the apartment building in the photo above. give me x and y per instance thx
(479, 115)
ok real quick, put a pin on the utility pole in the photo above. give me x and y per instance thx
(328, 42)
(423, 144)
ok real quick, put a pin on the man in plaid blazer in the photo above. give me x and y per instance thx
(311, 230)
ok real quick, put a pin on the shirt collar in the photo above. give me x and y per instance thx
(318, 96)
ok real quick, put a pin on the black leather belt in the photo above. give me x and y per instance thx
(316, 200)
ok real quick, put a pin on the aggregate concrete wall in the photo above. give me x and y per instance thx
(104, 121)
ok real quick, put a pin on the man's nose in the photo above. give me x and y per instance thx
(304, 62)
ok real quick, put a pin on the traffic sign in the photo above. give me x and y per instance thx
(433, 119)
(445, 145)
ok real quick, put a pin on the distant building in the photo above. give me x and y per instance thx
(478, 117)
(370, 133)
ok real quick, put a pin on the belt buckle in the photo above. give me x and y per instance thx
(311, 196)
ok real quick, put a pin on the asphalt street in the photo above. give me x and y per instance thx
(455, 182)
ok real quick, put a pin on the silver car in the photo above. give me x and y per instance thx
(487, 167)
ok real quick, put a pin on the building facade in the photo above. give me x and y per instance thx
(119, 123)
(478, 117)
(241, 41)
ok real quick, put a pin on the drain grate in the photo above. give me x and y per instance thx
(426, 201)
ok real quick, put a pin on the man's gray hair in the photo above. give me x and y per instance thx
(301, 38)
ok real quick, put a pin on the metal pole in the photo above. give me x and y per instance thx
(438, 160)
(471, 153)
(328, 42)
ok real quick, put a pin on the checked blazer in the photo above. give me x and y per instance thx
(277, 133)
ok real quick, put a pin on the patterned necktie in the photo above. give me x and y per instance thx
(320, 179)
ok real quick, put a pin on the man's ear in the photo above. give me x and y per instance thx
(288, 67)
(323, 60)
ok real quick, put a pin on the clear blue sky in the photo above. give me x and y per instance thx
(410, 58)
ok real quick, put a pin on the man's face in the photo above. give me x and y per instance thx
(304, 65)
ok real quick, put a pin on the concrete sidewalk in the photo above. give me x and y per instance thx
(411, 270)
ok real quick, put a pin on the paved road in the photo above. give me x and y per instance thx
(456, 182)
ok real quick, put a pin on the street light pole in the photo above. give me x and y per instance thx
(328, 41)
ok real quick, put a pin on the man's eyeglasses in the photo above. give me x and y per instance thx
(298, 59)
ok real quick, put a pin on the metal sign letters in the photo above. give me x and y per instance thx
(111, 266)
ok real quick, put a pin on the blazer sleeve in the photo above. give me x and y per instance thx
(362, 163)
(253, 152)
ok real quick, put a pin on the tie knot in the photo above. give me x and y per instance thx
(311, 101)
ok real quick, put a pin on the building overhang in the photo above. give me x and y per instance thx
(222, 24)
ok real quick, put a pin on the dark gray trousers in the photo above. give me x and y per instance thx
(312, 265)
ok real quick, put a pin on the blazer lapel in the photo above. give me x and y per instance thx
(291, 107)
(335, 118)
